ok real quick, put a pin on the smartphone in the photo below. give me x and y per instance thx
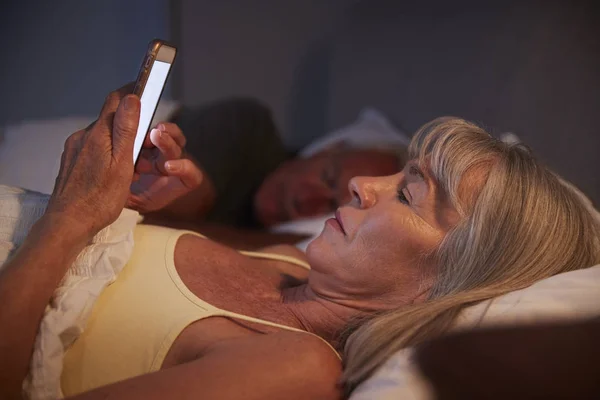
(149, 86)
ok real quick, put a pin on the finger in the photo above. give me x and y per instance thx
(73, 139)
(135, 202)
(166, 149)
(147, 142)
(174, 131)
(169, 150)
(125, 126)
(186, 171)
(90, 126)
(111, 103)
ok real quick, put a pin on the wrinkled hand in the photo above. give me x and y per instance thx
(162, 173)
(96, 166)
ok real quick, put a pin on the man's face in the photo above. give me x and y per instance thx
(301, 188)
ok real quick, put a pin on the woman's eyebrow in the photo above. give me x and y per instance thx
(414, 170)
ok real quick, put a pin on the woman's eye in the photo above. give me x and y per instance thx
(402, 197)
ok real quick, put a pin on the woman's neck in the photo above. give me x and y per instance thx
(317, 314)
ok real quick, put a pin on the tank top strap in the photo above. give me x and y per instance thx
(232, 315)
(277, 257)
(215, 311)
(258, 254)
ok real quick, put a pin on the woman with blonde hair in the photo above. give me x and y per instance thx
(524, 225)
(469, 218)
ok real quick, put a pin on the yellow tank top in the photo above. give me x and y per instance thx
(137, 318)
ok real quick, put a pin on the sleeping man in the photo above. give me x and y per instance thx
(251, 182)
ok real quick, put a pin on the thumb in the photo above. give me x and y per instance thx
(125, 125)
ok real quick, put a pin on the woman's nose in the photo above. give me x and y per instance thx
(361, 189)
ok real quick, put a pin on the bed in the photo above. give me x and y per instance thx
(527, 69)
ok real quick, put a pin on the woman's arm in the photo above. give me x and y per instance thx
(26, 285)
(90, 192)
(285, 365)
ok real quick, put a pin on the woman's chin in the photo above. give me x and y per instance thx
(317, 248)
(309, 247)
(316, 242)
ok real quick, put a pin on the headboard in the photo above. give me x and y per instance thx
(532, 68)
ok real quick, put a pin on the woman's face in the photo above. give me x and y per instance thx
(374, 254)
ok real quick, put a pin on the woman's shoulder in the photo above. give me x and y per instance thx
(282, 365)
(302, 359)
(314, 350)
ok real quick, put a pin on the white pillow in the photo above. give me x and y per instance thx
(569, 296)
(307, 226)
(371, 130)
(30, 151)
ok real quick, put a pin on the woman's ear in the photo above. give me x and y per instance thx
(422, 297)
(426, 282)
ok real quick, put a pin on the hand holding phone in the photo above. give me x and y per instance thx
(162, 174)
(149, 86)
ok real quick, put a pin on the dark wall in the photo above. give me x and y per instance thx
(271, 49)
(61, 57)
(529, 67)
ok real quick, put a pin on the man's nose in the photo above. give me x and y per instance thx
(314, 200)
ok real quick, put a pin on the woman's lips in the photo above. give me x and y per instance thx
(335, 225)
(338, 218)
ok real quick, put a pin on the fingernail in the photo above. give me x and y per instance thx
(171, 166)
(158, 132)
(130, 102)
(161, 127)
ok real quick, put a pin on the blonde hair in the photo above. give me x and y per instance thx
(523, 226)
